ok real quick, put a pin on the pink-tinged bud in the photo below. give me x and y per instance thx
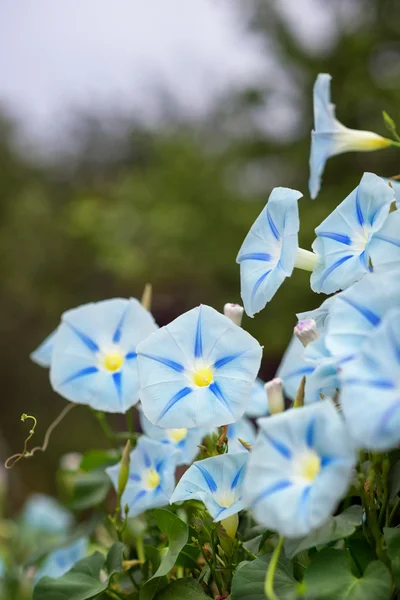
(306, 331)
(234, 312)
(71, 461)
(276, 401)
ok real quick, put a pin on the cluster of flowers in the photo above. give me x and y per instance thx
(200, 371)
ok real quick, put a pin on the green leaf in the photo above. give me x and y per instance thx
(90, 489)
(336, 528)
(94, 459)
(394, 480)
(114, 558)
(392, 539)
(177, 533)
(183, 589)
(248, 581)
(329, 577)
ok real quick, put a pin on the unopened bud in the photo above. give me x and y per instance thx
(234, 312)
(306, 331)
(276, 401)
(123, 475)
(71, 461)
(147, 296)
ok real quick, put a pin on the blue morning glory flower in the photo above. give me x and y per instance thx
(60, 561)
(323, 381)
(270, 250)
(197, 371)
(299, 468)
(357, 311)
(243, 429)
(370, 395)
(151, 477)
(42, 355)
(330, 137)
(258, 403)
(184, 441)
(44, 514)
(94, 353)
(217, 482)
(294, 367)
(348, 240)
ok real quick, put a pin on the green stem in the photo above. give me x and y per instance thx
(393, 511)
(129, 422)
(108, 432)
(140, 549)
(383, 515)
(269, 579)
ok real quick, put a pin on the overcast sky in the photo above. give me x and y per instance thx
(56, 55)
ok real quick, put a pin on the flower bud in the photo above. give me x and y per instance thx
(306, 331)
(71, 461)
(123, 475)
(234, 312)
(276, 401)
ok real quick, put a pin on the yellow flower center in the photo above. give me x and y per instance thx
(203, 376)
(113, 360)
(177, 435)
(309, 466)
(225, 499)
(151, 479)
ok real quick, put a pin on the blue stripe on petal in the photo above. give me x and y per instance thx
(338, 237)
(326, 461)
(258, 283)
(165, 361)
(117, 378)
(310, 433)
(89, 343)
(216, 390)
(389, 240)
(255, 256)
(81, 373)
(334, 266)
(178, 396)
(385, 384)
(212, 486)
(272, 489)
(146, 459)
(134, 477)
(221, 362)
(272, 225)
(130, 355)
(138, 496)
(159, 465)
(302, 371)
(279, 446)
(118, 332)
(373, 318)
(360, 216)
(237, 477)
(198, 344)
(219, 513)
(395, 344)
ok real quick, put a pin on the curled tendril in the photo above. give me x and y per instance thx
(12, 460)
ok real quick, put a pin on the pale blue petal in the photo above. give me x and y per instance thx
(268, 252)
(214, 480)
(384, 247)
(45, 514)
(324, 380)
(42, 354)
(280, 499)
(243, 429)
(62, 560)
(357, 311)
(320, 315)
(258, 403)
(324, 110)
(294, 367)
(370, 396)
(322, 148)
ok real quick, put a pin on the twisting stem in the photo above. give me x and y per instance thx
(269, 579)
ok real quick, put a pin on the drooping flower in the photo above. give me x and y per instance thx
(217, 482)
(45, 515)
(243, 429)
(94, 353)
(370, 395)
(151, 476)
(330, 137)
(299, 468)
(60, 561)
(348, 240)
(258, 403)
(197, 371)
(270, 250)
(357, 311)
(184, 441)
(42, 355)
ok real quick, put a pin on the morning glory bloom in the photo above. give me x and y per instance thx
(184, 441)
(258, 403)
(299, 468)
(42, 355)
(62, 560)
(198, 371)
(94, 354)
(44, 514)
(330, 137)
(243, 429)
(357, 311)
(348, 241)
(294, 367)
(370, 395)
(270, 250)
(151, 477)
(217, 482)
(323, 381)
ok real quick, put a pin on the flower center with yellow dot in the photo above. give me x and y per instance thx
(113, 360)
(177, 435)
(203, 376)
(308, 466)
(151, 479)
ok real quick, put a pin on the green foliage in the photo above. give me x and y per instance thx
(248, 581)
(82, 582)
(183, 589)
(392, 539)
(89, 489)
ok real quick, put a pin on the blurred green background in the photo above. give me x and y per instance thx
(171, 204)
